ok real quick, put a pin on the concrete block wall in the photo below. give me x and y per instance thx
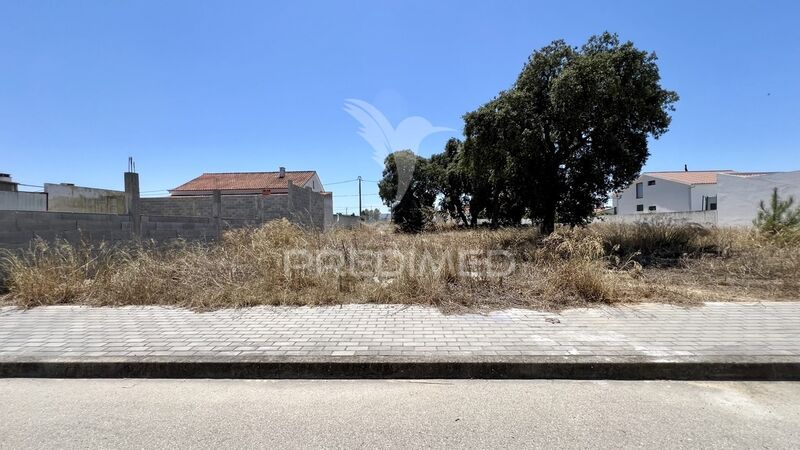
(18, 228)
(300, 205)
(191, 218)
(307, 207)
(162, 228)
(176, 206)
(254, 207)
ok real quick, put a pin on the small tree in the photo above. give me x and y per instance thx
(452, 181)
(412, 209)
(371, 215)
(778, 216)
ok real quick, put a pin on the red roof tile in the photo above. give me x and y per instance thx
(244, 181)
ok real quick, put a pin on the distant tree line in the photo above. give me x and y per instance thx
(572, 128)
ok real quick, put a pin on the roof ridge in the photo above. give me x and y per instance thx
(271, 171)
(689, 171)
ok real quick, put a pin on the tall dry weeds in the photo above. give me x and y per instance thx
(269, 265)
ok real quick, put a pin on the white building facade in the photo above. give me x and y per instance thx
(717, 197)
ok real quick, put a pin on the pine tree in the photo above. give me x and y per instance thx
(778, 216)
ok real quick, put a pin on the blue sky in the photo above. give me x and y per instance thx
(192, 87)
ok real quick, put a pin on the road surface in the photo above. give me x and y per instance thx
(43, 413)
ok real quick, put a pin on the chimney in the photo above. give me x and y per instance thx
(685, 167)
(282, 172)
(6, 183)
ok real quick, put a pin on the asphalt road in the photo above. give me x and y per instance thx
(42, 413)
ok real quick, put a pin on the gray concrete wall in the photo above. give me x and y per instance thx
(191, 218)
(252, 207)
(306, 207)
(342, 221)
(68, 198)
(23, 201)
(176, 206)
(18, 228)
(164, 228)
(327, 202)
(300, 205)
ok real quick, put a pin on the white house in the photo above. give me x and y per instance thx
(685, 195)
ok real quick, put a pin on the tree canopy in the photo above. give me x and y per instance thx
(572, 128)
(413, 209)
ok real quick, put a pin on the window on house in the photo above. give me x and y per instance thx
(651, 208)
(639, 207)
(639, 190)
(710, 203)
(651, 183)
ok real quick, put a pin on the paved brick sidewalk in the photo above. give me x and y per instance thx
(651, 330)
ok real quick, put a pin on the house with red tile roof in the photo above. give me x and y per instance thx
(249, 183)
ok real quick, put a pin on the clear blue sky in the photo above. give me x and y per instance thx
(191, 87)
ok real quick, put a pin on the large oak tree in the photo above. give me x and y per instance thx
(574, 127)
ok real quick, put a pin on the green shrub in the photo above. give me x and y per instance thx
(779, 217)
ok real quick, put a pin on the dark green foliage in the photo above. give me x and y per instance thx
(572, 128)
(452, 181)
(371, 214)
(778, 217)
(412, 210)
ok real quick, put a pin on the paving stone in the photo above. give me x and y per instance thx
(765, 328)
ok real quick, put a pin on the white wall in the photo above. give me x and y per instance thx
(705, 218)
(699, 192)
(667, 196)
(314, 183)
(738, 197)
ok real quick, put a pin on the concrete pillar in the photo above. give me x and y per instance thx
(132, 202)
(216, 211)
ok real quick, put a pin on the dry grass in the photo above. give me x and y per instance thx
(280, 264)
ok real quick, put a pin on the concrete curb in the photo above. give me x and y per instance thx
(579, 368)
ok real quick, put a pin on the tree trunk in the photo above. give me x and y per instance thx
(463, 217)
(549, 223)
(549, 218)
